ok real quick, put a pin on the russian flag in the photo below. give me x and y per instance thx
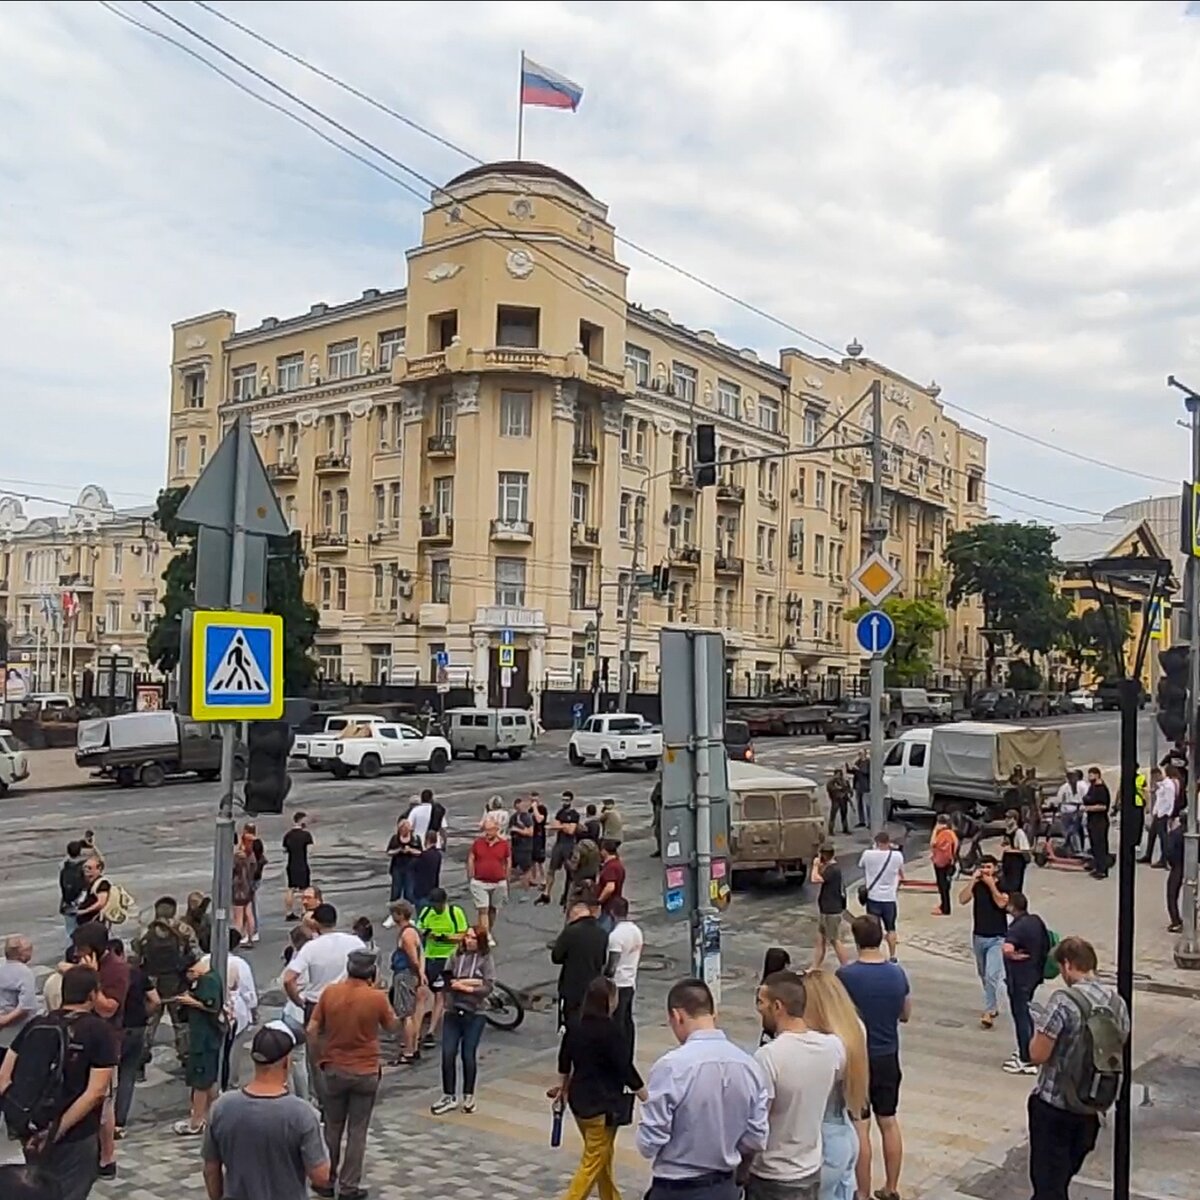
(544, 88)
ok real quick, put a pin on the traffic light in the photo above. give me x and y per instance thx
(267, 778)
(662, 579)
(1173, 693)
(706, 456)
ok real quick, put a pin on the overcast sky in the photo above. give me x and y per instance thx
(999, 196)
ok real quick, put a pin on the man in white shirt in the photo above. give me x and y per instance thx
(624, 953)
(883, 869)
(1070, 810)
(1162, 808)
(316, 965)
(18, 989)
(799, 1066)
(243, 1004)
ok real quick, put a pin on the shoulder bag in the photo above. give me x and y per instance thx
(864, 889)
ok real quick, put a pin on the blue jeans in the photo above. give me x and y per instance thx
(1072, 824)
(989, 962)
(461, 1032)
(839, 1156)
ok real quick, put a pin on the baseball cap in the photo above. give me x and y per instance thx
(274, 1041)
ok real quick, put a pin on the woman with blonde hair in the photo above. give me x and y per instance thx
(829, 1009)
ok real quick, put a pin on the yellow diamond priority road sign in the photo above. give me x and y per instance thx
(876, 579)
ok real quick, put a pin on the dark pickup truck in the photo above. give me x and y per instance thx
(1108, 697)
(852, 719)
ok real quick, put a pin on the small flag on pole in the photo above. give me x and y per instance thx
(543, 88)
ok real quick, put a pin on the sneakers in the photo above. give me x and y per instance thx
(108, 1170)
(1014, 1066)
(468, 1104)
(444, 1105)
(187, 1129)
(987, 1019)
(389, 922)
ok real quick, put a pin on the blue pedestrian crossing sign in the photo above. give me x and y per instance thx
(875, 631)
(237, 666)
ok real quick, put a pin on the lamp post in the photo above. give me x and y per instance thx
(113, 651)
(1149, 575)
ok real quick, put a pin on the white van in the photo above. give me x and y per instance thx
(14, 766)
(906, 770)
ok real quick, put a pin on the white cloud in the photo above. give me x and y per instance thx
(999, 197)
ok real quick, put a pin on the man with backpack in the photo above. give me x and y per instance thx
(1077, 1044)
(53, 1084)
(72, 887)
(442, 925)
(165, 949)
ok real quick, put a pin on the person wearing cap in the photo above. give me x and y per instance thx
(261, 1140)
(343, 1036)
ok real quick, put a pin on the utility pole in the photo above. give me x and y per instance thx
(878, 533)
(1187, 949)
(630, 592)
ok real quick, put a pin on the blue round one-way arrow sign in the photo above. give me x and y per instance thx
(875, 631)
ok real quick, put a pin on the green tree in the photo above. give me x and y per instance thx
(917, 621)
(1086, 641)
(1011, 568)
(286, 563)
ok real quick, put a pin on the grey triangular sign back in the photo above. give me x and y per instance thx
(210, 502)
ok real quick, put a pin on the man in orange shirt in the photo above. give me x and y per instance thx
(344, 1034)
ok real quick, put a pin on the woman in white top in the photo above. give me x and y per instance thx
(829, 1009)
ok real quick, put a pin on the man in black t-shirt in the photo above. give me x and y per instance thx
(831, 908)
(296, 844)
(72, 1159)
(566, 826)
(989, 926)
(1026, 948)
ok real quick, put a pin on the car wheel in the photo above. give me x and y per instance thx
(606, 762)
(370, 766)
(482, 753)
(339, 770)
(573, 757)
(829, 737)
(152, 775)
(651, 764)
(515, 754)
(438, 761)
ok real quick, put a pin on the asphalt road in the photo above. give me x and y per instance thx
(160, 842)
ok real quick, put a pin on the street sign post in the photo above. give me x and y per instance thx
(233, 671)
(442, 658)
(508, 656)
(694, 819)
(875, 631)
(506, 637)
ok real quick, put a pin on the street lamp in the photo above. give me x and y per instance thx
(113, 651)
(1148, 576)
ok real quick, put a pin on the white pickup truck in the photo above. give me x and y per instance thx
(615, 740)
(371, 749)
(330, 723)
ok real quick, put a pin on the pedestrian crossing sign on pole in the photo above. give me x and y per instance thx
(236, 666)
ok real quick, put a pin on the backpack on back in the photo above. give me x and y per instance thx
(35, 1100)
(70, 883)
(162, 950)
(118, 906)
(1051, 970)
(1091, 1069)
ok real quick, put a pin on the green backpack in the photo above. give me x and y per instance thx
(1051, 969)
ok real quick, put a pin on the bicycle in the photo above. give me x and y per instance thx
(504, 1008)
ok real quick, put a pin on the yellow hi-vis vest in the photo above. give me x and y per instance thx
(1139, 790)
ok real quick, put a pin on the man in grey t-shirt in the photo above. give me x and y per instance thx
(18, 989)
(262, 1143)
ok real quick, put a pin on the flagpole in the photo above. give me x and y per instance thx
(521, 108)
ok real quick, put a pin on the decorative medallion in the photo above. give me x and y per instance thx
(519, 263)
(359, 408)
(521, 207)
(307, 417)
(195, 342)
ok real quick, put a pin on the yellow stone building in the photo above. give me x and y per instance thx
(478, 452)
(76, 585)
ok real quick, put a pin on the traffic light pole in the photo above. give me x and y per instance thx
(1187, 950)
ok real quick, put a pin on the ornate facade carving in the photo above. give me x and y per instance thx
(591, 283)
(466, 395)
(360, 407)
(566, 396)
(264, 379)
(612, 410)
(412, 398)
(195, 342)
(521, 207)
(314, 369)
(443, 270)
(307, 417)
(366, 355)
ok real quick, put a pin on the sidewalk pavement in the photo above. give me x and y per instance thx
(963, 1118)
